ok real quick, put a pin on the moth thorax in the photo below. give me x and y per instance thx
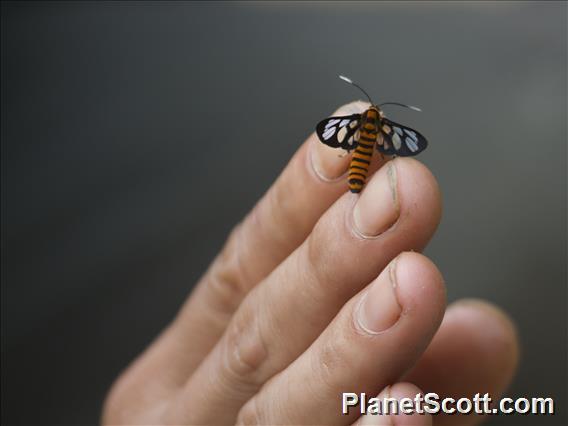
(372, 115)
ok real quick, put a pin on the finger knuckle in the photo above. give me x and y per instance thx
(248, 414)
(318, 259)
(246, 351)
(322, 259)
(331, 358)
(111, 412)
(126, 403)
(226, 279)
(283, 216)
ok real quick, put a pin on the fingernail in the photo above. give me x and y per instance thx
(379, 309)
(327, 162)
(377, 208)
(377, 418)
(331, 163)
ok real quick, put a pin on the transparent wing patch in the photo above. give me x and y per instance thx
(339, 132)
(396, 139)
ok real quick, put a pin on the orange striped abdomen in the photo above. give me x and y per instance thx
(362, 156)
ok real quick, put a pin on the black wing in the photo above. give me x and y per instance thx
(395, 139)
(339, 132)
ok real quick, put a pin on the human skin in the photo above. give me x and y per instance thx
(317, 292)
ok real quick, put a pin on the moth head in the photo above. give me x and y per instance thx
(379, 111)
(374, 113)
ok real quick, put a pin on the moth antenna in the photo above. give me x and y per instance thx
(348, 80)
(413, 108)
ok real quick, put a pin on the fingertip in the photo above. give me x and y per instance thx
(417, 200)
(418, 192)
(353, 107)
(328, 163)
(495, 334)
(476, 350)
(411, 391)
(398, 391)
(402, 195)
(420, 286)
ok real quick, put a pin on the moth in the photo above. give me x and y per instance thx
(362, 133)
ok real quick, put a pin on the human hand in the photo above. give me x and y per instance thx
(317, 293)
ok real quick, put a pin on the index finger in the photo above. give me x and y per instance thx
(277, 225)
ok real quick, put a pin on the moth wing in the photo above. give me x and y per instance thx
(339, 132)
(396, 139)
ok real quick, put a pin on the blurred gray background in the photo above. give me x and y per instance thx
(112, 206)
